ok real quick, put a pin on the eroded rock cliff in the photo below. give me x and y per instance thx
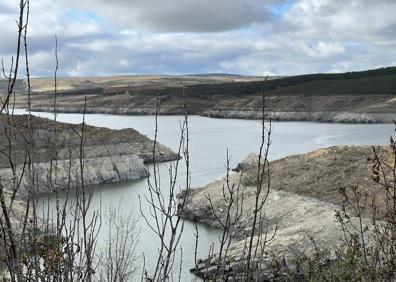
(56, 150)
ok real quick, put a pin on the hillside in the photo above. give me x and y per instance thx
(367, 96)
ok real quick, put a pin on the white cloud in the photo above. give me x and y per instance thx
(342, 19)
(322, 49)
(98, 37)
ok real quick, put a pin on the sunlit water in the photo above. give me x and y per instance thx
(209, 141)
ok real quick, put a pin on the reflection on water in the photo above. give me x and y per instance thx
(210, 138)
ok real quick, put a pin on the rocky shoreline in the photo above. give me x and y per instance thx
(109, 155)
(321, 116)
(300, 207)
(336, 117)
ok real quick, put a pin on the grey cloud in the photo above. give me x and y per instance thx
(181, 15)
(8, 42)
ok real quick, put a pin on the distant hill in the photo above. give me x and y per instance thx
(19, 86)
(216, 74)
(366, 96)
(379, 81)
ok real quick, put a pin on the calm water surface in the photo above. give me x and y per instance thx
(210, 139)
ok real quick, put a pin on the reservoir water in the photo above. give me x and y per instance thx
(209, 141)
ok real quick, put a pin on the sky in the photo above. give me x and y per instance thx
(249, 37)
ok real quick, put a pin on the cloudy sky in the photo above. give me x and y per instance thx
(253, 37)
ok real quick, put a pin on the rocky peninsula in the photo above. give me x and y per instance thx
(108, 155)
(301, 206)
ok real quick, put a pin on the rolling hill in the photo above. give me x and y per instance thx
(366, 96)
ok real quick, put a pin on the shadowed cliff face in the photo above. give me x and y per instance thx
(301, 205)
(109, 155)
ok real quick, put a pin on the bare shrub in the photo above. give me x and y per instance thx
(165, 206)
(368, 250)
(52, 248)
(117, 261)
